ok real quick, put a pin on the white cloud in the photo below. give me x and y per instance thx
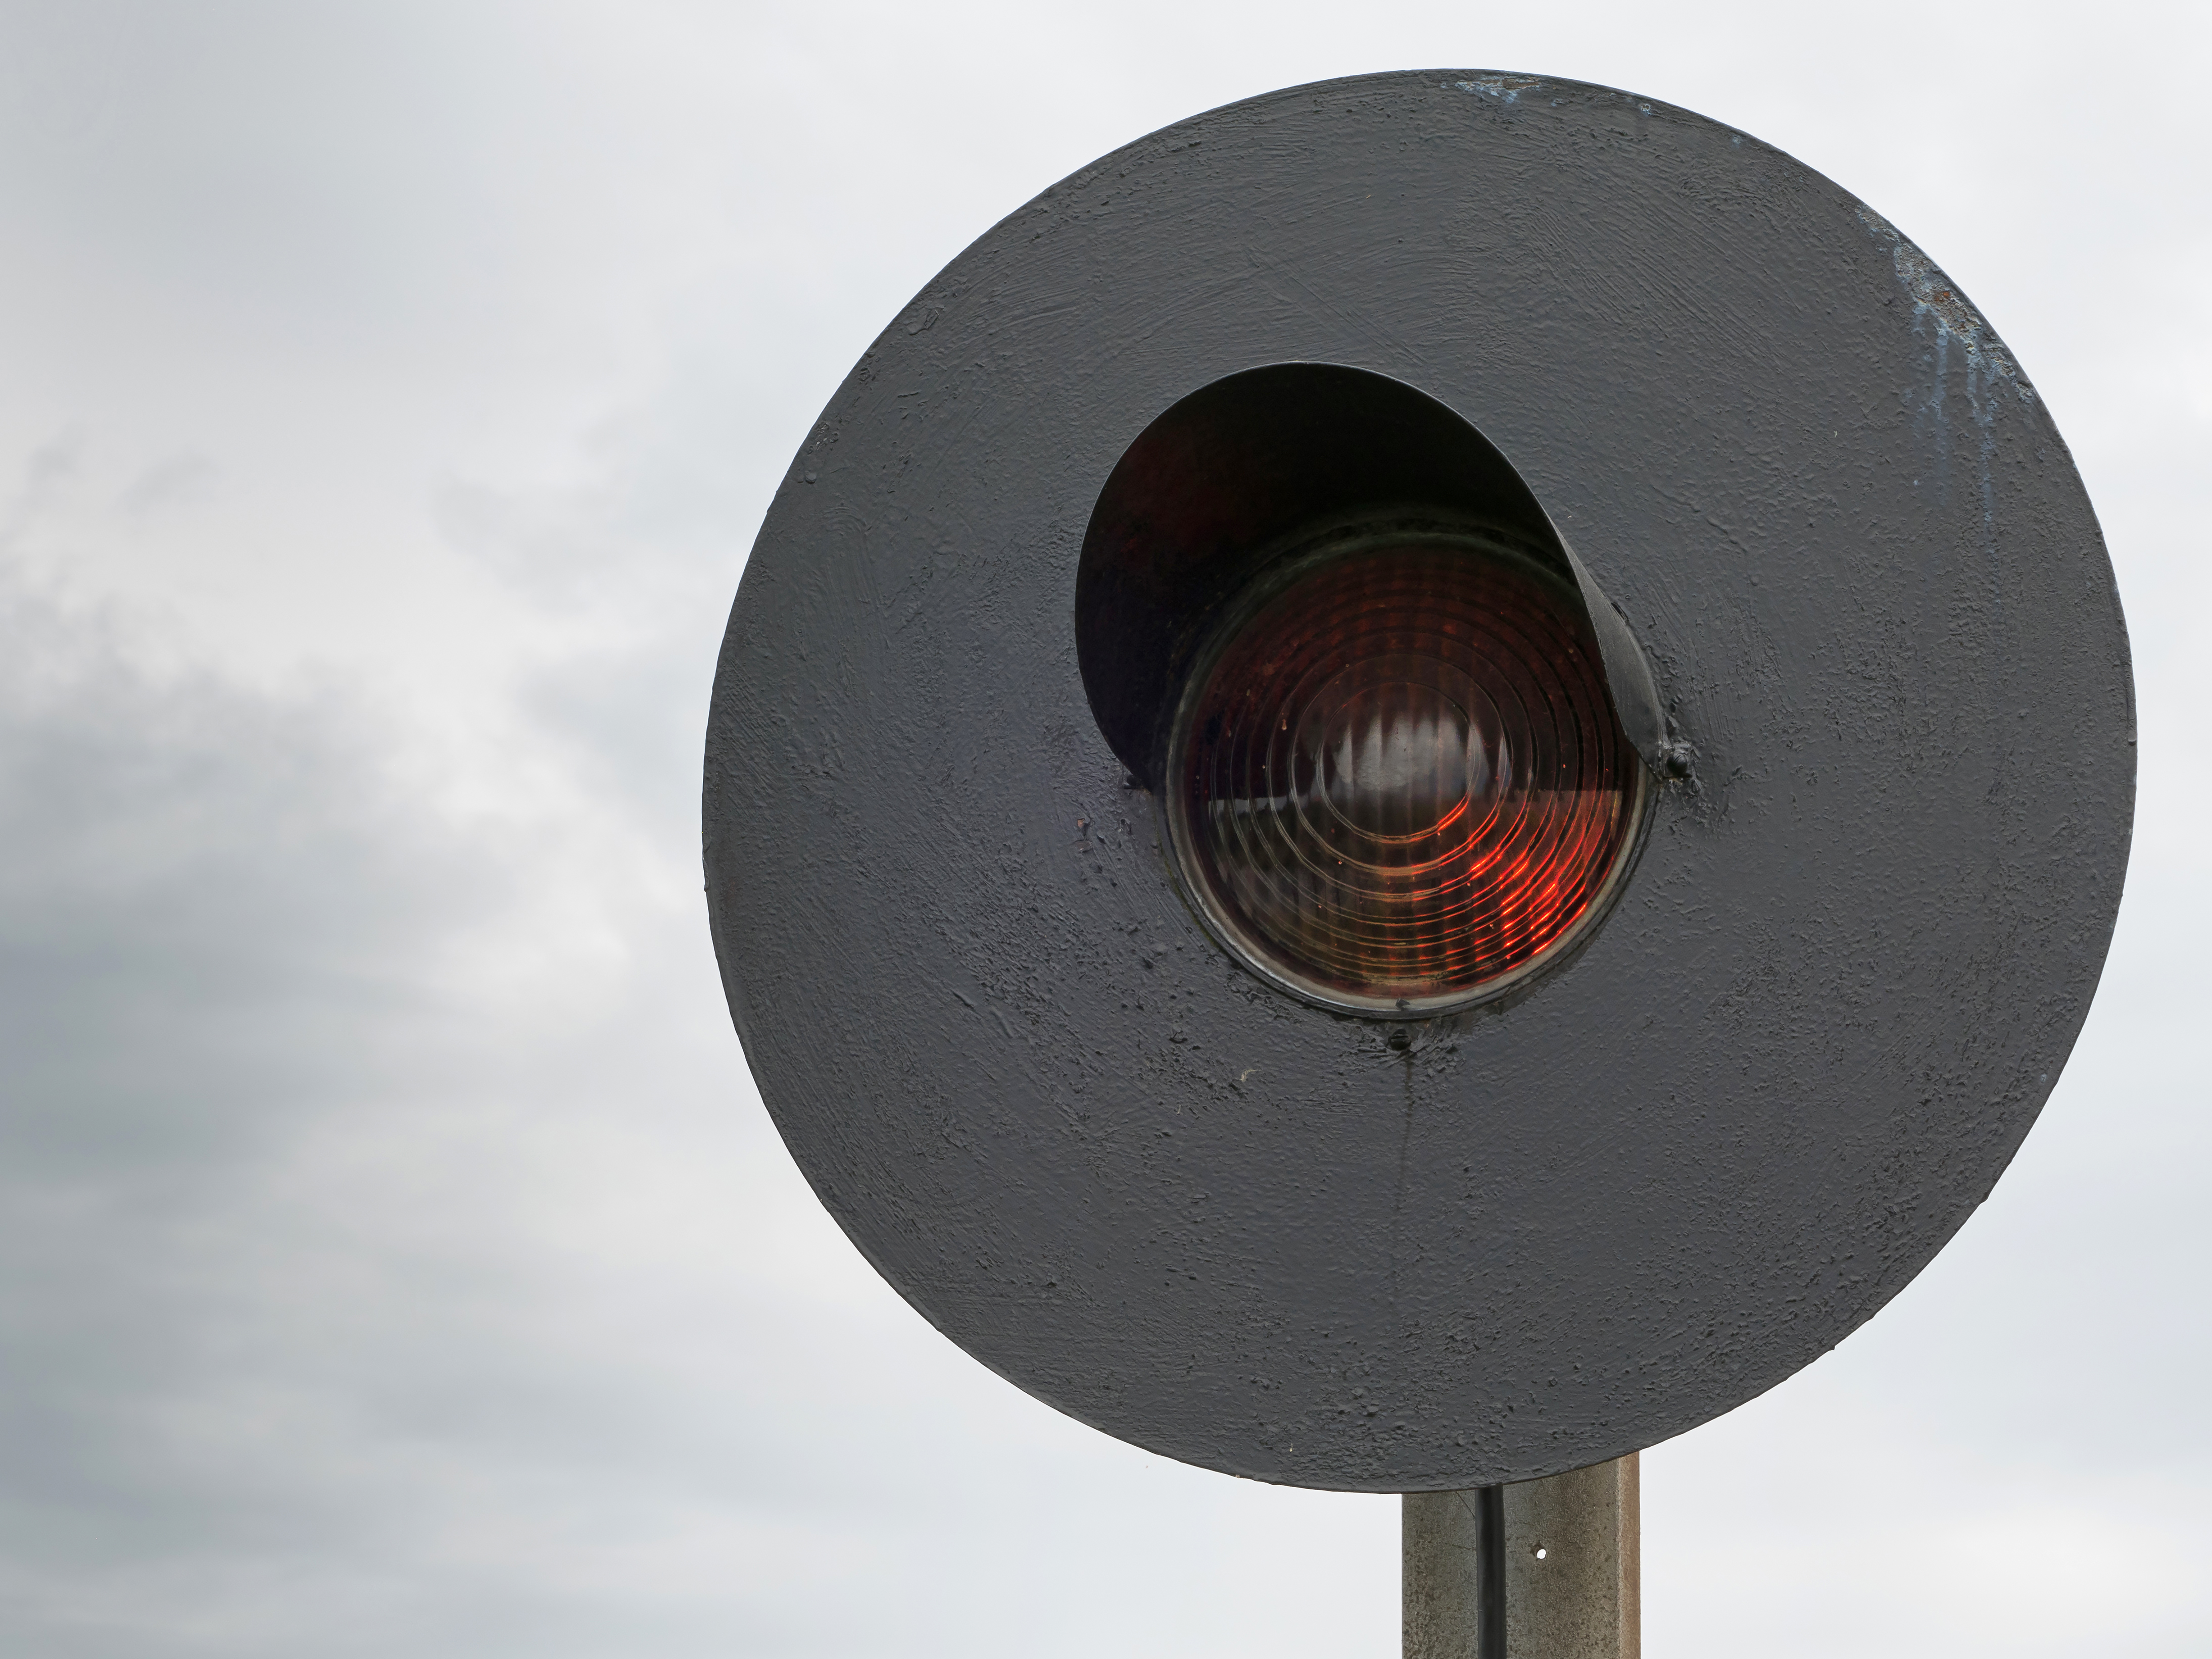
(393, 1255)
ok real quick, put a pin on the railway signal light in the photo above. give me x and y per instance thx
(1419, 781)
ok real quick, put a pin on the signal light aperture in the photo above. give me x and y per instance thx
(1395, 782)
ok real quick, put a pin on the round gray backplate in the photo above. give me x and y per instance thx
(1858, 946)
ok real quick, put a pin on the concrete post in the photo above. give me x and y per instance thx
(1543, 1569)
(1454, 1566)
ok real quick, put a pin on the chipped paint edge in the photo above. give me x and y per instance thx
(1936, 295)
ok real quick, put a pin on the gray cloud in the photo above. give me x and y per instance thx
(394, 1258)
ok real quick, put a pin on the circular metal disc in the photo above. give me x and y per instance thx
(1858, 944)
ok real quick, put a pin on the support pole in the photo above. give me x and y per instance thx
(1542, 1569)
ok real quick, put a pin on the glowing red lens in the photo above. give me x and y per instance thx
(1400, 781)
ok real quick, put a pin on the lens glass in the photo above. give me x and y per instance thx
(1399, 784)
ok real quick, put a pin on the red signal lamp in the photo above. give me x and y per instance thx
(1395, 782)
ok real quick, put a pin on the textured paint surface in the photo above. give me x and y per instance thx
(1859, 943)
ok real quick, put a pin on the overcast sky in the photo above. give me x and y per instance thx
(395, 1259)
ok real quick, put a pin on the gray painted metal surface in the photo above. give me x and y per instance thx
(1862, 937)
(1543, 1569)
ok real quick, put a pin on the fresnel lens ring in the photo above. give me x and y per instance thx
(1395, 784)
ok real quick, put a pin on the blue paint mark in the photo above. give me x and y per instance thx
(1505, 89)
(1934, 294)
(1938, 307)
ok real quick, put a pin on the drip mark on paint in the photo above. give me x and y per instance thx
(1934, 294)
